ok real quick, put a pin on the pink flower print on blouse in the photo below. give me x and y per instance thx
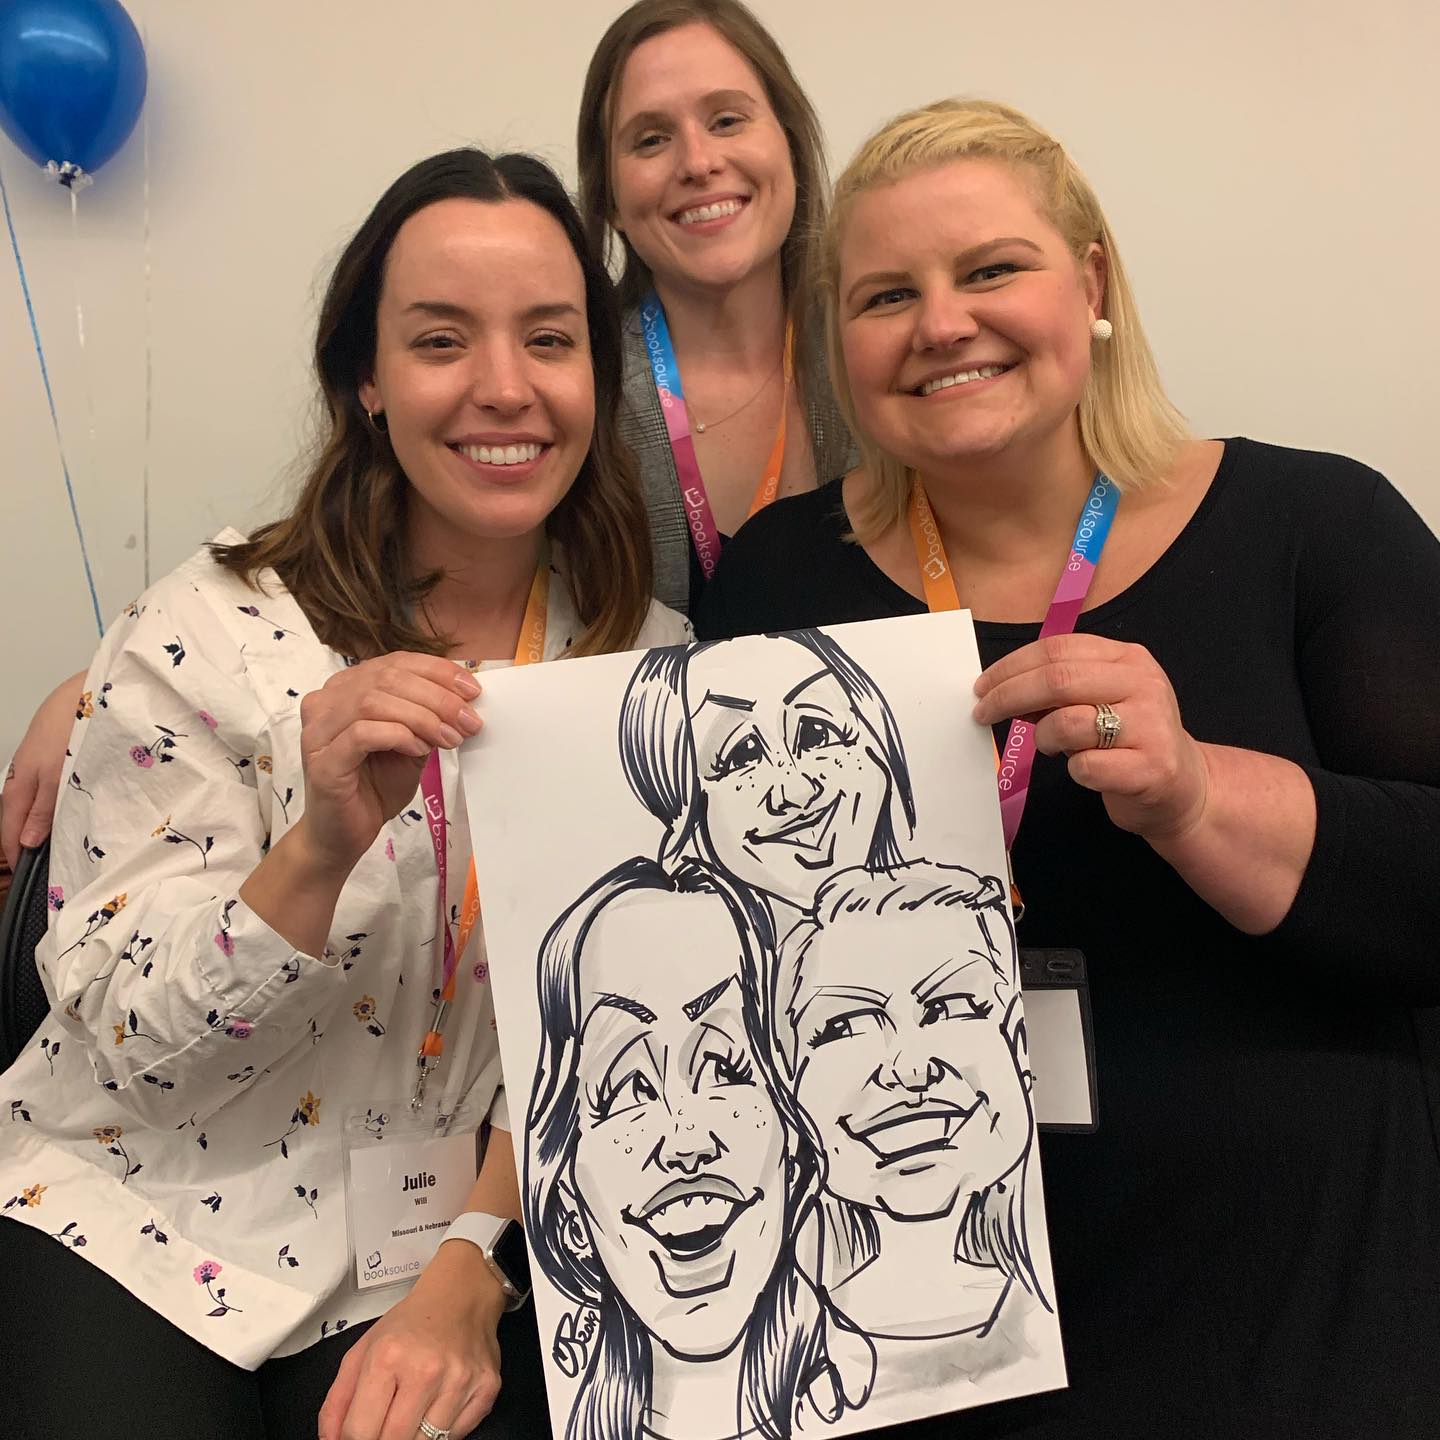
(159, 749)
(209, 721)
(481, 971)
(205, 1274)
(240, 1029)
(55, 897)
(223, 942)
(389, 849)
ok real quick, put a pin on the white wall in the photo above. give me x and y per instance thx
(1268, 167)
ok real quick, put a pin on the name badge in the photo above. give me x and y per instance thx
(407, 1176)
(1061, 1040)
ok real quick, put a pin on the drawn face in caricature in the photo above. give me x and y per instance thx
(680, 1163)
(902, 1063)
(792, 783)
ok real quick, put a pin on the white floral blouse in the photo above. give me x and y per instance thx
(177, 1119)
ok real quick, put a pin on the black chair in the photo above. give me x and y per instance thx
(23, 1004)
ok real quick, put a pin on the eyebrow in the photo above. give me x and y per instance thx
(844, 992)
(648, 119)
(803, 685)
(448, 310)
(947, 970)
(730, 702)
(964, 258)
(695, 1008)
(642, 1013)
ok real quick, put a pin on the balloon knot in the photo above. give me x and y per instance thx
(69, 174)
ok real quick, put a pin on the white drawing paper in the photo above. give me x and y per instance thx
(756, 987)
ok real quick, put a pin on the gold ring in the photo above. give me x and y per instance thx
(1107, 726)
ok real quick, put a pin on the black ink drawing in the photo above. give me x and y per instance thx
(912, 1075)
(774, 758)
(779, 1062)
(667, 1171)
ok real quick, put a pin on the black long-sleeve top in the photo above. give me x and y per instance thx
(1250, 1243)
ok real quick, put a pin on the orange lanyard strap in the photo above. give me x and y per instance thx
(530, 649)
(941, 594)
(769, 486)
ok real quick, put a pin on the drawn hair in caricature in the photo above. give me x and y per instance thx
(666, 1171)
(896, 1017)
(774, 758)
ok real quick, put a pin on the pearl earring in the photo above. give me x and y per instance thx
(1101, 329)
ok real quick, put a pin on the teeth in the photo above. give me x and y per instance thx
(673, 1219)
(501, 454)
(710, 212)
(961, 377)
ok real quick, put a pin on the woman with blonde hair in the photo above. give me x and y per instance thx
(1230, 738)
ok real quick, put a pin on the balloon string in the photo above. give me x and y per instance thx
(76, 255)
(50, 400)
(149, 317)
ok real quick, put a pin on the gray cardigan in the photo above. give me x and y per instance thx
(642, 427)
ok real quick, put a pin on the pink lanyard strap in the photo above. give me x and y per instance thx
(1014, 764)
(704, 532)
(529, 649)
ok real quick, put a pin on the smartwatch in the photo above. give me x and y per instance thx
(502, 1243)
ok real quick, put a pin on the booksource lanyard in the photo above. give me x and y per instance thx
(1013, 767)
(530, 649)
(704, 533)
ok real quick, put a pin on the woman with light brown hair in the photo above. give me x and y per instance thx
(1233, 758)
(701, 161)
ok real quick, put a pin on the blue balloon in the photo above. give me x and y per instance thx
(72, 79)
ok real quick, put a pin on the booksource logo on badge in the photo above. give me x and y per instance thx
(374, 1270)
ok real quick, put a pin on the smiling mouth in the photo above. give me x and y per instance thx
(501, 455)
(689, 1220)
(810, 831)
(719, 210)
(902, 1132)
(960, 377)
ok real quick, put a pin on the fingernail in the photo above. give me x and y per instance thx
(467, 684)
(29, 839)
(468, 720)
(449, 738)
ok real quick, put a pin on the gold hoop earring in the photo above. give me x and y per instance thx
(378, 423)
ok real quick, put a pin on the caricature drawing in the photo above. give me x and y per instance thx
(897, 1019)
(780, 1176)
(666, 1173)
(775, 758)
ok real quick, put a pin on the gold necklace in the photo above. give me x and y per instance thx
(701, 426)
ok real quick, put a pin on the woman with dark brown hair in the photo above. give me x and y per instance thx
(701, 158)
(256, 925)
